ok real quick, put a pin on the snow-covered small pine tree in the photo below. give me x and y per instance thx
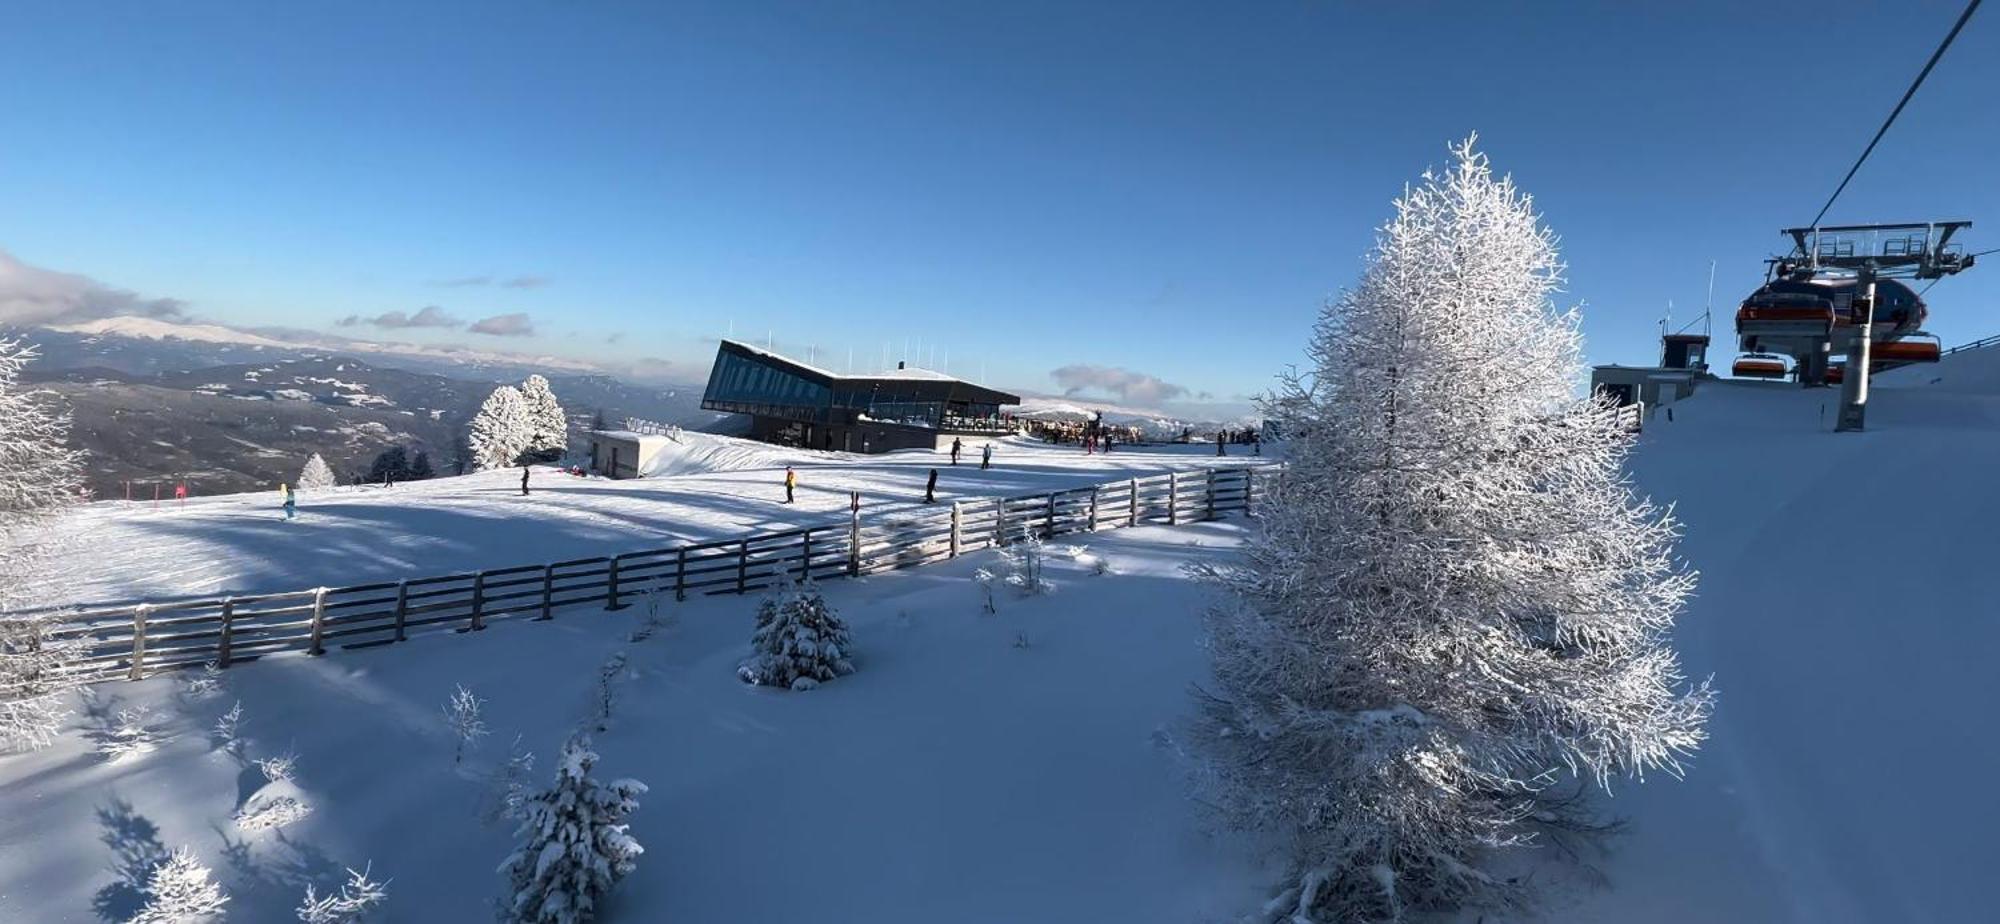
(574, 843)
(1453, 601)
(800, 642)
(548, 437)
(461, 712)
(501, 431)
(1023, 561)
(315, 475)
(38, 481)
(358, 896)
(180, 892)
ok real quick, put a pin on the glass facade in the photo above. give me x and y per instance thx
(748, 385)
(748, 381)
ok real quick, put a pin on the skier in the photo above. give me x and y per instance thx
(986, 457)
(791, 482)
(956, 445)
(1218, 444)
(524, 481)
(291, 501)
(930, 489)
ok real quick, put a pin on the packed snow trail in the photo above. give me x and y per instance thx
(731, 487)
(1845, 609)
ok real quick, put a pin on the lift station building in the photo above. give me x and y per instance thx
(797, 404)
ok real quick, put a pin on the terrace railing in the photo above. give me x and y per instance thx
(137, 639)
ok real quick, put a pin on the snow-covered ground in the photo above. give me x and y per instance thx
(977, 768)
(1842, 610)
(1845, 609)
(714, 487)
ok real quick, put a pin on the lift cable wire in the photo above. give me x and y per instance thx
(1912, 91)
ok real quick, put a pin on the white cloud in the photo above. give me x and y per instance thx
(32, 295)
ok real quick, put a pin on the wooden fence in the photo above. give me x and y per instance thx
(133, 640)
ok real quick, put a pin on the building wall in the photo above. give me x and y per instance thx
(860, 437)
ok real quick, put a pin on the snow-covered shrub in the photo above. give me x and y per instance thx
(1452, 600)
(1023, 562)
(800, 642)
(509, 785)
(279, 769)
(39, 480)
(180, 892)
(607, 687)
(573, 843)
(316, 474)
(263, 813)
(34, 680)
(228, 733)
(548, 426)
(131, 733)
(501, 431)
(985, 578)
(357, 896)
(202, 683)
(461, 713)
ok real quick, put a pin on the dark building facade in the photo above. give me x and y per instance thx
(797, 404)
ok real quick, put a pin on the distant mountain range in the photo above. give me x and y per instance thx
(155, 403)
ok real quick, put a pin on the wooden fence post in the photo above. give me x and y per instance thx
(478, 601)
(1092, 526)
(743, 566)
(1132, 518)
(854, 533)
(1173, 498)
(957, 520)
(805, 556)
(228, 631)
(139, 641)
(402, 610)
(681, 574)
(613, 604)
(1209, 494)
(1052, 515)
(319, 622)
(548, 590)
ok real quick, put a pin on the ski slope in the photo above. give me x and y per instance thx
(710, 487)
(1845, 609)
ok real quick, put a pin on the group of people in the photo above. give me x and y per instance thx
(791, 481)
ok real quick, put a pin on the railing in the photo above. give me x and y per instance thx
(134, 640)
(1981, 343)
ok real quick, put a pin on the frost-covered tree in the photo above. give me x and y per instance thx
(38, 480)
(180, 892)
(315, 475)
(548, 439)
(501, 432)
(1455, 609)
(1023, 562)
(461, 712)
(574, 843)
(800, 642)
(358, 896)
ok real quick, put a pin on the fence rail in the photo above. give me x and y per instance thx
(134, 640)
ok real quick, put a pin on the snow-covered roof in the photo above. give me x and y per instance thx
(906, 373)
(628, 435)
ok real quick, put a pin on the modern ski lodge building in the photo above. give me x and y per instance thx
(797, 404)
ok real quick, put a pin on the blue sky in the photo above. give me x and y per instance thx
(1170, 189)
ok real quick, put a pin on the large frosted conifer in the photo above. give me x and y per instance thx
(39, 479)
(548, 427)
(501, 431)
(316, 474)
(1455, 610)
